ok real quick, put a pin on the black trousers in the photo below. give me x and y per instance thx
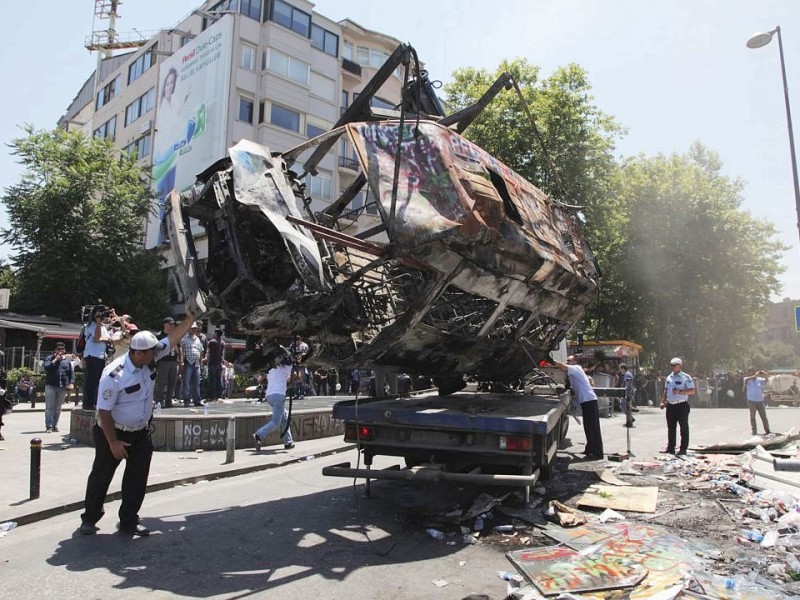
(591, 427)
(134, 480)
(91, 380)
(677, 414)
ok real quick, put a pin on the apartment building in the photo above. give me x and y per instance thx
(272, 71)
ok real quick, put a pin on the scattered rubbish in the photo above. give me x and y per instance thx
(310, 457)
(563, 514)
(507, 576)
(769, 539)
(608, 477)
(7, 526)
(753, 535)
(440, 582)
(478, 525)
(199, 451)
(504, 528)
(610, 515)
(635, 499)
(468, 538)
(435, 533)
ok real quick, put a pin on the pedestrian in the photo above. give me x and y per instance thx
(193, 353)
(122, 431)
(5, 401)
(25, 389)
(586, 397)
(94, 355)
(678, 386)
(228, 378)
(626, 382)
(277, 379)
(754, 389)
(167, 368)
(59, 379)
(215, 351)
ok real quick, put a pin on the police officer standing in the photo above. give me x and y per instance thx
(122, 432)
(678, 386)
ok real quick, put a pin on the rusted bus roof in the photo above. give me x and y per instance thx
(452, 191)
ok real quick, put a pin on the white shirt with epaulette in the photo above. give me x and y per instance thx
(675, 384)
(127, 390)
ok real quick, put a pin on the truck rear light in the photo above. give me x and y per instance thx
(354, 433)
(515, 443)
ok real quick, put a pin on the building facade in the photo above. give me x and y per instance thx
(272, 71)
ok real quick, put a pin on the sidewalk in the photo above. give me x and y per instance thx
(65, 466)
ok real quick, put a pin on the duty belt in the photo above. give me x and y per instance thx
(129, 427)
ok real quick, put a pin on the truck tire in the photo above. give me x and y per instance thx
(449, 385)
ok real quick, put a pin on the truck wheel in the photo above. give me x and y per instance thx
(449, 385)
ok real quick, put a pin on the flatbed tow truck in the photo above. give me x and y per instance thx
(506, 439)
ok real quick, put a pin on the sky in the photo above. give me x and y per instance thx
(671, 71)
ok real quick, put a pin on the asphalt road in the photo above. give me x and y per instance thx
(290, 533)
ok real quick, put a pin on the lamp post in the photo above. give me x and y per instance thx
(759, 40)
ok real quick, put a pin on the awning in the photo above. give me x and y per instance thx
(55, 330)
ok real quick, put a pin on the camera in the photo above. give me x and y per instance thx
(90, 311)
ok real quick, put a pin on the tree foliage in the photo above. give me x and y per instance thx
(692, 272)
(76, 226)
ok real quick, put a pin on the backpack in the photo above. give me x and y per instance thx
(80, 346)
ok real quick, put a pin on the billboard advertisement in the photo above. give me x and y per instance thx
(191, 115)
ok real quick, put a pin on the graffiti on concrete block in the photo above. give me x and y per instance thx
(310, 426)
(205, 434)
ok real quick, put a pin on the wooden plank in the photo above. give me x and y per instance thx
(633, 499)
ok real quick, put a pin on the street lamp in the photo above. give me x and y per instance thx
(759, 40)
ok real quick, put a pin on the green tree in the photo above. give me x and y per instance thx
(692, 272)
(76, 226)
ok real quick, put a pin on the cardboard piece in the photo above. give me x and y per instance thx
(634, 499)
(611, 479)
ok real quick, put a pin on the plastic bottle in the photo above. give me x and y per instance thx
(7, 525)
(737, 586)
(435, 533)
(158, 408)
(205, 409)
(753, 535)
(506, 576)
(792, 562)
(504, 528)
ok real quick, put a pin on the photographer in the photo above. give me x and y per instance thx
(97, 338)
(59, 378)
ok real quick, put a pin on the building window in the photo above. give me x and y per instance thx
(345, 103)
(315, 127)
(252, 9)
(261, 112)
(362, 56)
(107, 129)
(324, 40)
(248, 57)
(288, 66)
(284, 117)
(183, 41)
(376, 102)
(319, 185)
(226, 6)
(245, 109)
(142, 105)
(108, 92)
(142, 64)
(323, 87)
(347, 50)
(292, 18)
(140, 148)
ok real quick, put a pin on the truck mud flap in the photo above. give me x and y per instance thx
(427, 475)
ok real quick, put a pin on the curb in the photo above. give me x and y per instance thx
(54, 511)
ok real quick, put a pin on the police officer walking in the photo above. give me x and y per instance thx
(122, 432)
(678, 386)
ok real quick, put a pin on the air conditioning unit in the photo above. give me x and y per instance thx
(145, 126)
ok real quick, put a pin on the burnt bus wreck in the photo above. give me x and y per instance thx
(468, 269)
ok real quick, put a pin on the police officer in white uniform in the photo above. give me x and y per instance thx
(122, 432)
(678, 386)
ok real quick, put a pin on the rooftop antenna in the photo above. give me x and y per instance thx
(105, 40)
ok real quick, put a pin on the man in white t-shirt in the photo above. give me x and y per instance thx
(277, 379)
(585, 396)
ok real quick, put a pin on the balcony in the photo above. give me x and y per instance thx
(349, 163)
(351, 67)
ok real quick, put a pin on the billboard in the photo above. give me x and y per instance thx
(192, 113)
